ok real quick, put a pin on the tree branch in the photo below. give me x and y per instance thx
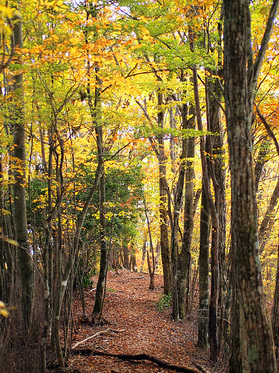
(267, 34)
(96, 334)
(268, 129)
(130, 357)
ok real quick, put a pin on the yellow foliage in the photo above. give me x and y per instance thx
(3, 310)
(5, 12)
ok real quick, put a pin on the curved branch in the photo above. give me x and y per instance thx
(268, 215)
(267, 34)
(268, 129)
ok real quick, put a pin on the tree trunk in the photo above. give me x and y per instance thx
(164, 232)
(143, 254)
(203, 272)
(178, 282)
(157, 256)
(275, 310)
(184, 259)
(94, 107)
(100, 291)
(260, 162)
(125, 252)
(150, 262)
(23, 251)
(217, 174)
(267, 220)
(235, 362)
(240, 74)
(212, 328)
(163, 191)
(7, 250)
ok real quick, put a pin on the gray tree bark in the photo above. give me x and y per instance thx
(25, 263)
(241, 74)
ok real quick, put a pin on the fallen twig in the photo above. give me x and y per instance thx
(96, 334)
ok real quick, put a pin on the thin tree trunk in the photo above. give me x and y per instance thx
(203, 272)
(143, 254)
(163, 190)
(260, 162)
(55, 264)
(215, 232)
(164, 234)
(157, 257)
(275, 310)
(217, 174)
(177, 285)
(263, 230)
(125, 252)
(100, 291)
(184, 259)
(23, 251)
(150, 262)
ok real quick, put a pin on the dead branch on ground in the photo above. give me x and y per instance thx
(130, 357)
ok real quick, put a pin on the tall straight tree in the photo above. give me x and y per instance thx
(94, 102)
(164, 239)
(241, 73)
(23, 253)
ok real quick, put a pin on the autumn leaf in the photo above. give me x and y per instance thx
(3, 310)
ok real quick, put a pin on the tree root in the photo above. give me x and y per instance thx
(155, 360)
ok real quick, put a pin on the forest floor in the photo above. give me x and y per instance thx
(136, 325)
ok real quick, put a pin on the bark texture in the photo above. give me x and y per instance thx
(163, 189)
(184, 259)
(275, 310)
(203, 272)
(20, 218)
(256, 340)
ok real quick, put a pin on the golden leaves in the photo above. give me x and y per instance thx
(6, 15)
(56, 5)
(3, 310)
(6, 12)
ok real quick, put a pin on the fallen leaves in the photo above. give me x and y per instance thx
(132, 309)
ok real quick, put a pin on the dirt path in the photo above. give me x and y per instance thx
(136, 326)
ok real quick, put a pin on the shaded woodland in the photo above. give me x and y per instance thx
(139, 136)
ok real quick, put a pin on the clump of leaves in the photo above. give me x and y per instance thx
(3, 310)
(111, 290)
(86, 281)
(164, 302)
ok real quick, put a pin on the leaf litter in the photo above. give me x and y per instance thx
(136, 325)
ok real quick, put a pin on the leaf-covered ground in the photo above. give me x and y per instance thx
(136, 325)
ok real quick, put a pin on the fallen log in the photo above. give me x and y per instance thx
(131, 357)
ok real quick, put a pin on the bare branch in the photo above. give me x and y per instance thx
(267, 34)
(268, 129)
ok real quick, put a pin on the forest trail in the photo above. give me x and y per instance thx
(135, 325)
